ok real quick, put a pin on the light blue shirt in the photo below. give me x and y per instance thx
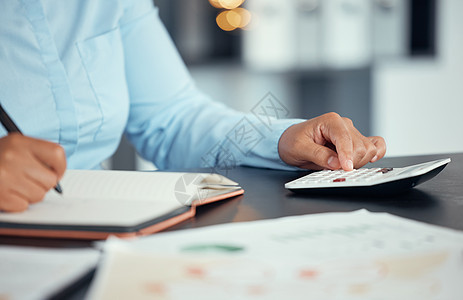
(82, 73)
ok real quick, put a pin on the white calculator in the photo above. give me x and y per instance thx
(379, 181)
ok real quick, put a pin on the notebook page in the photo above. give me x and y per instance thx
(121, 198)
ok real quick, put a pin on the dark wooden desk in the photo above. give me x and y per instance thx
(439, 201)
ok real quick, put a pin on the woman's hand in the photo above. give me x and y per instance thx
(329, 142)
(28, 169)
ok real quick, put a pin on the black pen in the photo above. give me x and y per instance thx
(10, 126)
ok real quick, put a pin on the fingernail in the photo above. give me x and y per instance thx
(350, 165)
(333, 162)
(375, 158)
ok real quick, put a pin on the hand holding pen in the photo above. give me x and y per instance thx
(29, 167)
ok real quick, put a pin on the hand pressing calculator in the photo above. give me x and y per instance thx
(367, 181)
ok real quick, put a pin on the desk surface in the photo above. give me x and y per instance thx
(438, 201)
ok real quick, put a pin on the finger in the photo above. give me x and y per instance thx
(50, 154)
(364, 151)
(41, 175)
(321, 157)
(339, 136)
(29, 190)
(380, 145)
(13, 203)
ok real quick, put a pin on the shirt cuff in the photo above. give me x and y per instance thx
(265, 153)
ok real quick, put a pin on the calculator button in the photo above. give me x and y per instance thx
(331, 176)
(372, 176)
(385, 170)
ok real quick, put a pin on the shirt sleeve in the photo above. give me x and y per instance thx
(172, 123)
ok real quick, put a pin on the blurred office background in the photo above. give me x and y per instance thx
(395, 67)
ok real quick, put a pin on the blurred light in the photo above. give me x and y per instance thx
(230, 4)
(245, 17)
(215, 3)
(227, 4)
(232, 19)
(223, 23)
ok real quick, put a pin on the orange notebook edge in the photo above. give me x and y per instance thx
(101, 235)
(190, 214)
(96, 235)
(218, 198)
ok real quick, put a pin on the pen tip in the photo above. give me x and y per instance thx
(58, 188)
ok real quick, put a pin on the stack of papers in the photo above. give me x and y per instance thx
(40, 273)
(358, 255)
